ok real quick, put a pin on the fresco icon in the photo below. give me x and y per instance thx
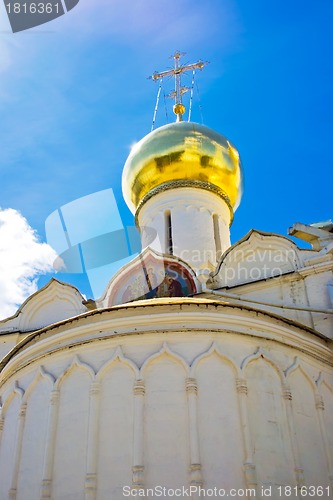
(151, 275)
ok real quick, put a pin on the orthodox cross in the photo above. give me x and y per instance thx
(176, 72)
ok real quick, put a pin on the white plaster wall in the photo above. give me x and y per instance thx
(295, 294)
(166, 445)
(250, 265)
(71, 435)
(285, 291)
(268, 425)
(318, 294)
(308, 434)
(8, 442)
(218, 412)
(115, 430)
(240, 406)
(34, 438)
(7, 342)
(152, 218)
(327, 392)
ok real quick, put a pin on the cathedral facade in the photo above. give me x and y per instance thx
(203, 370)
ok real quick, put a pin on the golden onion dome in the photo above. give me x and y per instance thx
(182, 154)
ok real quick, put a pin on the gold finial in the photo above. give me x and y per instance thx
(179, 108)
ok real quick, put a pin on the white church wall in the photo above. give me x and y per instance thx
(115, 429)
(308, 433)
(7, 342)
(166, 442)
(216, 378)
(268, 423)
(71, 436)
(326, 391)
(299, 293)
(160, 408)
(30, 474)
(295, 294)
(8, 440)
(319, 298)
(287, 291)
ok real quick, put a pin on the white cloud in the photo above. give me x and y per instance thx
(22, 258)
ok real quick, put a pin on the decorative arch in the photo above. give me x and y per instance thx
(297, 365)
(165, 350)
(321, 381)
(260, 353)
(198, 209)
(213, 349)
(75, 364)
(16, 391)
(41, 374)
(121, 358)
(35, 311)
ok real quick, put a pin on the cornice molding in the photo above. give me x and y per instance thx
(200, 317)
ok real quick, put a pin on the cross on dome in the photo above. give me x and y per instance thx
(178, 108)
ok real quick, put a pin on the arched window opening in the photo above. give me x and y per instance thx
(168, 235)
(217, 236)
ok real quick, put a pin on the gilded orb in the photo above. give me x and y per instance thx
(182, 154)
(179, 109)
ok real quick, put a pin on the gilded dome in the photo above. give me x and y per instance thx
(182, 154)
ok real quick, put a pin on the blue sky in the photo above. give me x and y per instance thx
(74, 97)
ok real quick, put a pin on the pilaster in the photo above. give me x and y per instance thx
(91, 470)
(46, 485)
(320, 407)
(248, 464)
(195, 466)
(18, 451)
(138, 466)
(299, 471)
